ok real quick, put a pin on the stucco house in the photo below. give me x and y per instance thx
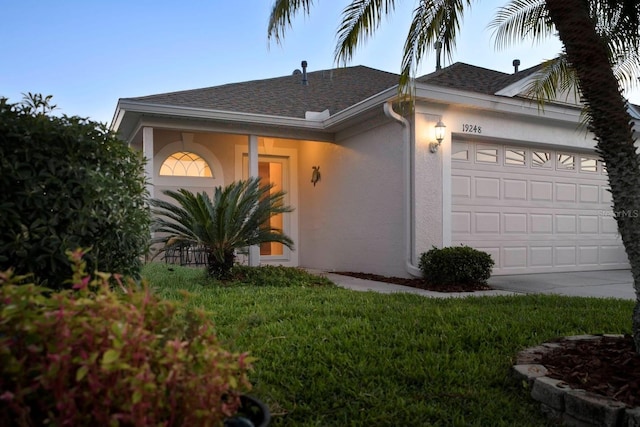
(372, 187)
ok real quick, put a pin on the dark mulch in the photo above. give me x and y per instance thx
(608, 366)
(417, 283)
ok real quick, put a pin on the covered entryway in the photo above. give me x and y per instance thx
(534, 210)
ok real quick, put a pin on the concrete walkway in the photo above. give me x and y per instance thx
(601, 284)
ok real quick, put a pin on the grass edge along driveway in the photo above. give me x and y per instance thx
(332, 357)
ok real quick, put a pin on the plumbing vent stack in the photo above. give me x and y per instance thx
(438, 47)
(516, 64)
(305, 81)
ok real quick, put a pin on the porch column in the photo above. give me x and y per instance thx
(254, 251)
(147, 151)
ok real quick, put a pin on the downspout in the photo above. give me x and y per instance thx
(408, 176)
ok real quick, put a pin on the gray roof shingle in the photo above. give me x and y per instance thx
(334, 90)
(474, 79)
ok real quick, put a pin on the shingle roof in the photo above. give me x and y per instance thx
(474, 79)
(334, 90)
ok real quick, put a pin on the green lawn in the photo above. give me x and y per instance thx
(333, 357)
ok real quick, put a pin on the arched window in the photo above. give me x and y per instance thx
(185, 163)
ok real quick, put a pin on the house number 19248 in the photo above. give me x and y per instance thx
(469, 128)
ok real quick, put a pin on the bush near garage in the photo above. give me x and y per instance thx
(100, 356)
(67, 182)
(459, 265)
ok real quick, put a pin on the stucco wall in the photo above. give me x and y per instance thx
(353, 218)
(428, 185)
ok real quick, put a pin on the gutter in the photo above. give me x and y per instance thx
(408, 201)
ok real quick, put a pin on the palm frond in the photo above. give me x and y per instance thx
(282, 13)
(627, 69)
(237, 216)
(554, 79)
(433, 21)
(521, 19)
(360, 19)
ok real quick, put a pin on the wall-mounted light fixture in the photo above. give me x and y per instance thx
(440, 129)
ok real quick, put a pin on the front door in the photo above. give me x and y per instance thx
(275, 170)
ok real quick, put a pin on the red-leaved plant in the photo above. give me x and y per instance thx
(93, 355)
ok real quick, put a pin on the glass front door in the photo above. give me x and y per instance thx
(274, 170)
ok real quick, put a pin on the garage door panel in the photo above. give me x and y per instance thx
(541, 223)
(565, 256)
(541, 256)
(487, 222)
(566, 224)
(566, 192)
(533, 218)
(608, 224)
(461, 187)
(589, 193)
(514, 223)
(588, 224)
(588, 255)
(487, 188)
(514, 257)
(515, 189)
(461, 222)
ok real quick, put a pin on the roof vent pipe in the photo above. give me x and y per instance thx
(305, 81)
(438, 47)
(516, 64)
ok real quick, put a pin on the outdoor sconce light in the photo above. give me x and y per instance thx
(440, 128)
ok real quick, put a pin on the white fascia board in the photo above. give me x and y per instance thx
(364, 105)
(502, 105)
(227, 116)
(116, 119)
(516, 88)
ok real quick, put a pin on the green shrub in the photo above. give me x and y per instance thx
(96, 356)
(236, 217)
(67, 182)
(456, 265)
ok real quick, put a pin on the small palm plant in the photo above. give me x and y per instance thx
(238, 216)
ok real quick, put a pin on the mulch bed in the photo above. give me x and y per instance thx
(417, 283)
(608, 366)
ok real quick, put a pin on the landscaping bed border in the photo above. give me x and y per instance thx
(570, 406)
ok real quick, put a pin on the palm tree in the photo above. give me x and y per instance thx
(522, 19)
(594, 33)
(237, 217)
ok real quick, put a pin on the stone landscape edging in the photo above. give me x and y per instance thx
(560, 402)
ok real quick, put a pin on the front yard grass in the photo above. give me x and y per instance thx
(328, 356)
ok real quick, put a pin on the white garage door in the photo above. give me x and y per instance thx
(534, 210)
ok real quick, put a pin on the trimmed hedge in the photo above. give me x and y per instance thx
(67, 182)
(456, 265)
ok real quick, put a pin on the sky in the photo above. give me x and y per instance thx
(90, 53)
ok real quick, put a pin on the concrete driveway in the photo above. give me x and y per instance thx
(601, 284)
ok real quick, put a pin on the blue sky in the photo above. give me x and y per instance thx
(87, 54)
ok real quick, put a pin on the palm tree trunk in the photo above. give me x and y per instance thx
(609, 121)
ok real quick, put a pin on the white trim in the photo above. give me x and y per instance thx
(502, 105)
(147, 151)
(205, 113)
(445, 149)
(518, 87)
(254, 251)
